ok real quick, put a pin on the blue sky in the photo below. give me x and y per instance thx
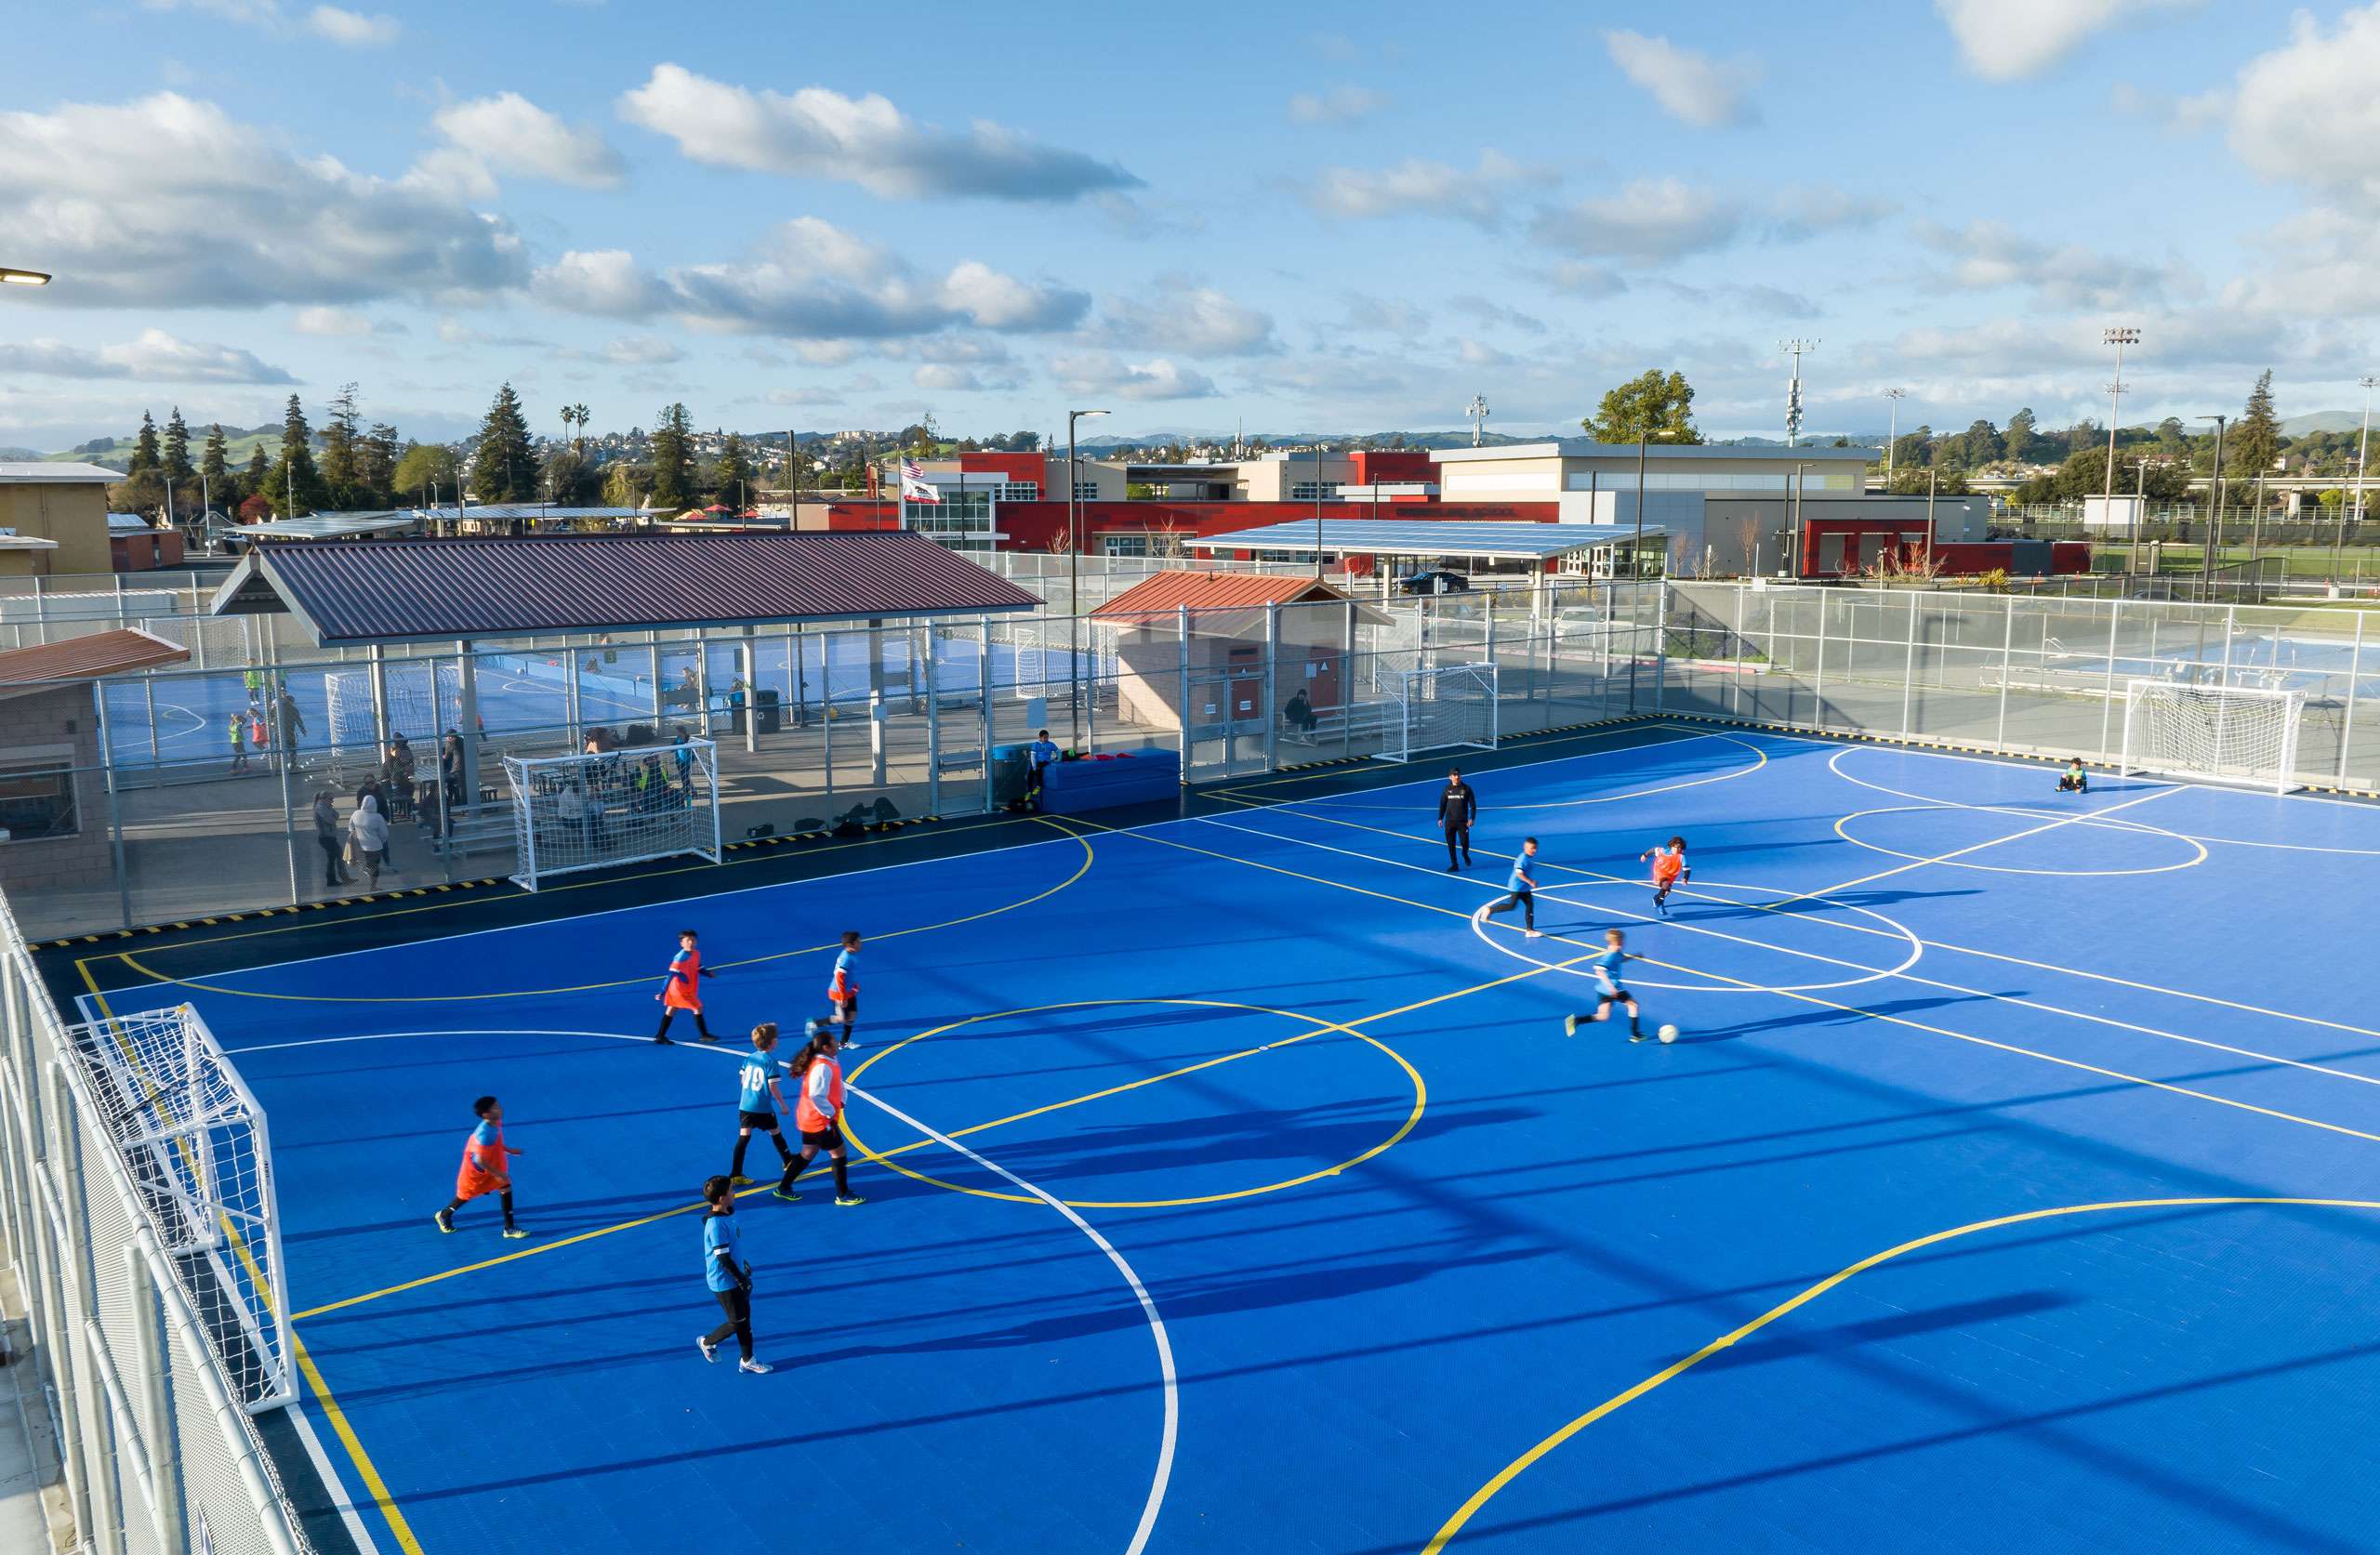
(1342, 216)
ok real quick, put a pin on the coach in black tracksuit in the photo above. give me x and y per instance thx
(1458, 807)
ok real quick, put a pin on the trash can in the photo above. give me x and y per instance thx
(1011, 771)
(766, 709)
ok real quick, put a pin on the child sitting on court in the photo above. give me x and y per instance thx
(2074, 780)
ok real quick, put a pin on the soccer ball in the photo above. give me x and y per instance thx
(1667, 1034)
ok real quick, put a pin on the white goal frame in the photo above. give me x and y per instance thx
(1447, 708)
(617, 821)
(195, 1142)
(2241, 735)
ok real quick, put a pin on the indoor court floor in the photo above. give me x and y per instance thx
(2014, 1183)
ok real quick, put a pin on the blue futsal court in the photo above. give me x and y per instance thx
(2013, 1185)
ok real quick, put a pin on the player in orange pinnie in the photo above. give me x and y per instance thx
(1668, 869)
(486, 1167)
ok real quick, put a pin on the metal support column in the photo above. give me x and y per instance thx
(1182, 682)
(1347, 683)
(2107, 686)
(380, 700)
(934, 726)
(273, 690)
(570, 701)
(115, 816)
(747, 672)
(2007, 667)
(984, 667)
(148, 691)
(1269, 705)
(1909, 666)
(467, 676)
(2354, 682)
(876, 702)
(653, 653)
(1661, 646)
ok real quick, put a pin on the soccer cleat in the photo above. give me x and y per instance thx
(849, 1045)
(1570, 1025)
(709, 1037)
(443, 1221)
(741, 1180)
(1480, 917)
(785, 1193)
(758, 1368)
(847, 1200)
(514, 1233)
(1531, 934)
(663, 1038)
(1640, 1037)
(710, 1350)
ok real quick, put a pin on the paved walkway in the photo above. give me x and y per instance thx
(30, 1493)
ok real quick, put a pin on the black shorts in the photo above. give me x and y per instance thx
(765, 1122)
(1616, 994)
(828, 1138)
(848, 1009)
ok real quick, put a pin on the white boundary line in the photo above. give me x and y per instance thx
(1141, 1292)
(332, 1482)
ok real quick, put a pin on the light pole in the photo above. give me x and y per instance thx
(2362, 446)
(1074, 587)
(1893, 436)
(1637, 553)
(2214, 507)
(2119, 338)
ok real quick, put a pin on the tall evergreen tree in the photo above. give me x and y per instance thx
(179, 470)
(734, 472)
(2254, 441)
(375, 463)
(2018, 442)
(673, 459)
(505, 467)
(342, 471)
(214, 464)
(254, 479)
(295, 484)
(145, 459)
(1983, 442)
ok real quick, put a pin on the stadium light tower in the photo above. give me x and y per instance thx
(1797, 349)
(1895, 395)
(1478, 411)
(1074, 586)
(2362, 447)
(2119, 338)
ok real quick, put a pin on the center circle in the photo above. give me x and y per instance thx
(1894, 927)
(1316, 1026)
(2079, 824)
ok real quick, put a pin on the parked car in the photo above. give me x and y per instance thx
(1436, 583)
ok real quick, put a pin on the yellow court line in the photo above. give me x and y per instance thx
(1857, 927)
(373, 1485)
(1795, 995)
(1486, 1493)
(129, 959)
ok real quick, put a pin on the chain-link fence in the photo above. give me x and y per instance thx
(2032, 674)
(154, 1383)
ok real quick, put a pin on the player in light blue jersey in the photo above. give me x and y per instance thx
(1609, 989)
(759, 1101)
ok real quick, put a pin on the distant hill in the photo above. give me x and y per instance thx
(2322, 421)
(21, 456)
(117, 452)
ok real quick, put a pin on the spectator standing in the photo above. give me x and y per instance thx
(1458, 807)
(396, 778)
(450, 768)
(293, 722)
(369, 831)
(327, 839)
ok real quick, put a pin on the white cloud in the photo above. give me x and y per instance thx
(641, 350)
(1181, 315)
(2305, 112)
(944, 376)
(1651, 221)
(821, 134)
(512, 135)
(1692, 89)
(330, 321)
(1990, 254)
(2179, 115)
(352, 29)
(810, 280)
(110, 195)
(155, 356)
(1577, 278)
(1105, 373)
(1417, 186)
(2007, 40)
(1384, 316)
(1340, 105)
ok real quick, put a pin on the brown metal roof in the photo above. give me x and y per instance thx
(84, 658)
(442, 590)
(1166, 593)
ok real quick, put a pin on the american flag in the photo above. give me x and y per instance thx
(914, 485)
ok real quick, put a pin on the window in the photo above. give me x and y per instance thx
(1723, 481)
(1124, 545)
(1304, 490)
(37, 800)
(1086, 490)
(1017, 491)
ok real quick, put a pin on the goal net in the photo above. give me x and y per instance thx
(424, 701)
(2237, 734)
(1437, 709)
(193, 1140)
(578, 813)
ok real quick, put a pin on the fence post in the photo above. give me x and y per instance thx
(1909, 666)
(155, 1407)
(2007, 666)
(570, 695)
(1272, 683)
(653, 651)
(934, 726)
(1817, 685)
(1347, 682)
(2108, 690)
(380, 700)
(984, 667)
(1183, 614)
(115, 815)
(2354, 668)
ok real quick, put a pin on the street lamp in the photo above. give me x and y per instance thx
(2362, 446)
(2119, 338)
(11, 276)
(1637, 553)
(2214, 507)
(1074, 585)
(1895, 395)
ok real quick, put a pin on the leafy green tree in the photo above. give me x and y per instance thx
(734, 473)
(1913, 450)
(2085, 473)
(214, 464)
(295, 484)
(1652, 405)
(2172, 436)
(626, 485)
(1024, 442)
(674, 460)
(1983, 443)
(2254, 438)
(1912, 480)
(179, 470)
(421, 466)
(145, 457)
(2018, 442)
(505, 469)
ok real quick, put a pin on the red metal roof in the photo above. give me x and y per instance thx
(84, 658)
(1166, 593)
(501, 587)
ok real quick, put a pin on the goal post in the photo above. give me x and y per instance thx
(2245, 736)
(597, 811)
(195, 1143)
(1450, 706)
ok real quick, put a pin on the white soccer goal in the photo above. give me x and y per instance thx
(193, 1137)
(1439, 709)
(418, 692)
(576, 812)
(2235, 734)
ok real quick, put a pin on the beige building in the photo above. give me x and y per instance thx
(64, 505)
(1589, 479)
